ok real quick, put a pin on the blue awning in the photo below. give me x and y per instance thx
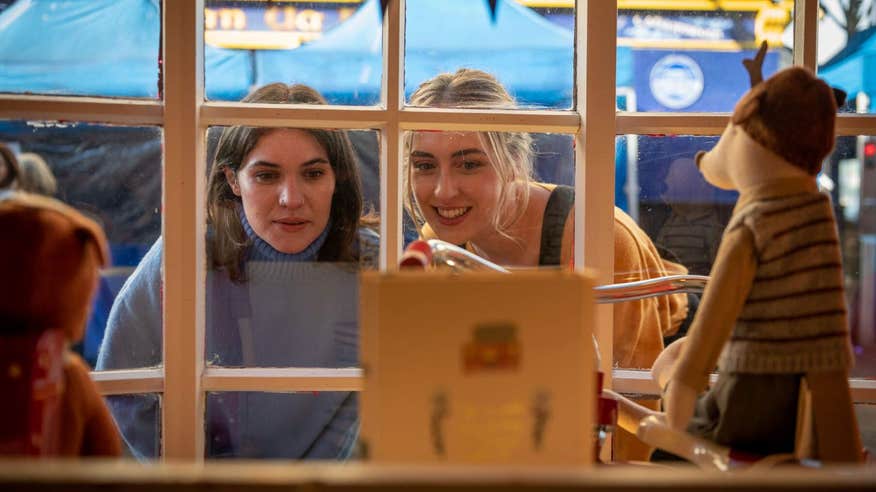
(853, 69)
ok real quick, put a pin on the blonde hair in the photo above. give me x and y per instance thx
(511, 153)
(36, 175)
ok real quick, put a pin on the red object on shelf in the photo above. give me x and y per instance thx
(31, 380)
(418, 255)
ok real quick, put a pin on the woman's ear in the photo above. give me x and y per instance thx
(231, 177)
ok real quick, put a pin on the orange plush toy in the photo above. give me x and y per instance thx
(50, 256)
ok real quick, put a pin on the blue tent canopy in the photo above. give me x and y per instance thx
(853, 69)
(99, 48)
(528, 54)
(111, 48)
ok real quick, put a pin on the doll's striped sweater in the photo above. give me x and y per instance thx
(775, 302)
(794, 318)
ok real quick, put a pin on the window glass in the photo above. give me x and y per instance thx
(866, 414)
(317, 425)
(334, 47)
(476, 190)
(530, 52)
(292, 222)
(684, 216)
(845, 41)
(113, 175)
(852, 175)
(675, 58)
(94, 48)
(139, 420)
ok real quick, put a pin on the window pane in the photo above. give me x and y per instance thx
(94, 48)
(318, 425)
(866, 414)
(139, 420)
(113, 175)
(454, 191)
(671, 59)
(529, 54)
(289, 230)
(852, 173)
(334, 47)
(684, 216)
(845, 41)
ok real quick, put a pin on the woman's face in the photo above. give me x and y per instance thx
(286, 184)
(454, 183)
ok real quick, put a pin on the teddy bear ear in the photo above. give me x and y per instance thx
(839, 96)
(86, 236)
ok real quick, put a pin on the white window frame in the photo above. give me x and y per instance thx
(183, 379)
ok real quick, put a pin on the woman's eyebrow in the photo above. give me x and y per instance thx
(263, 164)
(420, 153)
(312, 162)
(315, 161)
(465, 152)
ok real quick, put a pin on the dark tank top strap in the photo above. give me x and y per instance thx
(559, 204)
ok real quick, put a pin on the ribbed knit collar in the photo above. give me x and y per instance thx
(262, 251)
(776, 189)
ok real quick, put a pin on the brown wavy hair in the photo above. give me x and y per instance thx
(228, 243)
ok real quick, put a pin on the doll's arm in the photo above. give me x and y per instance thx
(730, 282)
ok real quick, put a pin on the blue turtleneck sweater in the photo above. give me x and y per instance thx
(291, 312)
(262, 251)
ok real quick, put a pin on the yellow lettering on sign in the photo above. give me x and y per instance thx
(287, 23)
(224, 19)
(769, 25)
(210, 17)
(309, 20)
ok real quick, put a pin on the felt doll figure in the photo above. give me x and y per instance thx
(50, 256)
(773, 314)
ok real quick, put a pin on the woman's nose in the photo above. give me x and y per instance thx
(290, 194)
(446, 187)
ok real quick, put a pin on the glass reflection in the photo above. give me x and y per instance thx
(679, 213)
(531, 55)
(95, 48)
(334, 47)
(139, 421)
(845, 42)
(111, 174)
(319, 425)
(673, 57)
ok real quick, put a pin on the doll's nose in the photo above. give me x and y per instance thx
(699, 157)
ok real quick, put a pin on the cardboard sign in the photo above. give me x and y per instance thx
(482, 368)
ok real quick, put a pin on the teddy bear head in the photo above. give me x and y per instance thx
(50, 257)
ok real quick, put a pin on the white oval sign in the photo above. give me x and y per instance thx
(676, 81)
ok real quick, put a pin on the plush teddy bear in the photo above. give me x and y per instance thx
(773, 316)
(50, 257)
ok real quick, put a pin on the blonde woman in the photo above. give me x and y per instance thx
(477, 189)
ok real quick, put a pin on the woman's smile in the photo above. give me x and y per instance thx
(451, 216)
